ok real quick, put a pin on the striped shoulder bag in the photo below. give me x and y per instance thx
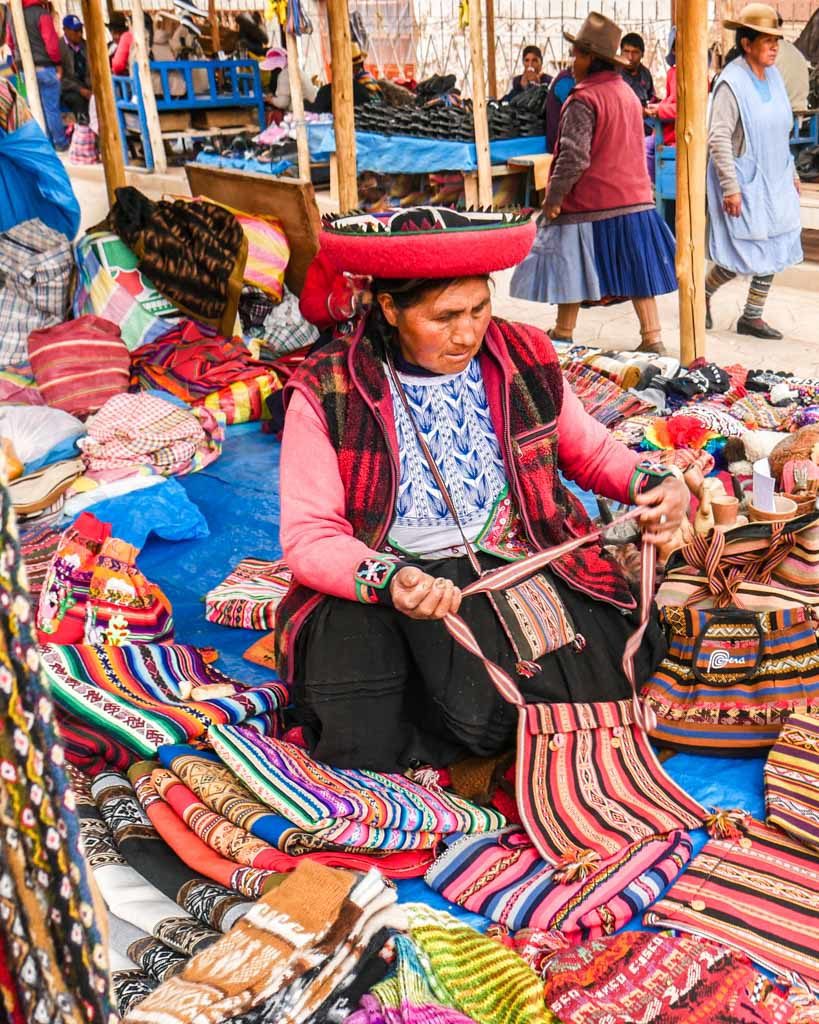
(588, 783)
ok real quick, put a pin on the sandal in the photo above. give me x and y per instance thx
(39, 491)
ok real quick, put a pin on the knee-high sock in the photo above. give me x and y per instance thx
(716, 277)
(757, 294)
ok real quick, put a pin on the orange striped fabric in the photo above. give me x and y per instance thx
(80, 364)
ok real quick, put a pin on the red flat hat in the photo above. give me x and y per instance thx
(428, 241)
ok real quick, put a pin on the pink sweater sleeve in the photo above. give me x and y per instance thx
(317, 540)
(589, 455)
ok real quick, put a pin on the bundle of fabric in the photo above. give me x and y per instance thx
(134, 431)
(38, 545)
(219, 789)
(713, 416)
(289, 959)
(215, 372)
(309, 793)
(249, 596)
(601, 397)
(758, 414)
(152, 694)
(282, 330)
(79, 365)
(35, 280)
(241, 846)
(193, 252)
(93, 592)
(111, 286)
(17, 385)
(205, 860)
(268, 251)
(656, 979)
(501, 876)
(52, 952)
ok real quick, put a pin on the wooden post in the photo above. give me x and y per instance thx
(491, 68)
(297, 105)
(692, 99)
(139, 57)
(215, 34)
(103, 88)
(479, 104)
(23, 48)
(341, 63)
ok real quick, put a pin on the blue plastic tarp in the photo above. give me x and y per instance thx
(34, 183)
(239, 498)
(407, 154)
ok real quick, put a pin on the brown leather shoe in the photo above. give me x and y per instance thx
(757, 328)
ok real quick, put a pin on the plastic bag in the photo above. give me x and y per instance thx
(34, 183)
(35, 429)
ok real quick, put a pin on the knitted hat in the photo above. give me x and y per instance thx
(428, 242)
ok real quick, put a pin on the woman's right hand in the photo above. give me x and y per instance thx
(733, 204)
(421, 596)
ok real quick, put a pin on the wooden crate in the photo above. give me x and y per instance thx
(224, 117)
(174, 120)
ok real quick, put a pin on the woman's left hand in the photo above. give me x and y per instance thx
(551, 210)
(665, 506)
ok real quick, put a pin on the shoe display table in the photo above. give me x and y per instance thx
(409, 154)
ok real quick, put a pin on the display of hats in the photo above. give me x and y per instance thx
(427, 242)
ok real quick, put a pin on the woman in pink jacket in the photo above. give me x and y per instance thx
(436, 428)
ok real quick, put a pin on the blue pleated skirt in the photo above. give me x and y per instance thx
(626, 257)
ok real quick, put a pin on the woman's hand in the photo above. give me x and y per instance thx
(666, 506)
(797, 184)
(733, 204)
(421, 596)
(551, 210)
(651, 109)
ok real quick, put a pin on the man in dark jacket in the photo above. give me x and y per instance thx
(637, 75)
(75, 89)
(45, 51)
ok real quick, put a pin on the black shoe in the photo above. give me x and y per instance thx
(757, 328)
(709, 323)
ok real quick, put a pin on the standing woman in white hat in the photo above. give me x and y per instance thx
(600, 238)
(753, 190)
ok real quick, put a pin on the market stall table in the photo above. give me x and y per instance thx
(409, 154)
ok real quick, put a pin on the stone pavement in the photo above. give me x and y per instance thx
(793, 305)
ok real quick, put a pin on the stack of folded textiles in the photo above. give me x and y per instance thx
(606, 401)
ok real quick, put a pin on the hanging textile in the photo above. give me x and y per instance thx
(54, 951)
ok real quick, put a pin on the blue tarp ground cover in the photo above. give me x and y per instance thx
(239, 498)
(409, 154)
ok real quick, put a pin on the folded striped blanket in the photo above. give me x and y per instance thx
(309, 793)
(250, 595)
(146, 695)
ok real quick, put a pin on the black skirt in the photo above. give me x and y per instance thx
(375, 689)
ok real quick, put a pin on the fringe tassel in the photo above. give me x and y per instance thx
(427, 777)
(575, 865)
(722, 824)
(527, 669)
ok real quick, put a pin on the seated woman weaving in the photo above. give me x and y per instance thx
(367, 523)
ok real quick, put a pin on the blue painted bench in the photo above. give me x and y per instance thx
(231, 83)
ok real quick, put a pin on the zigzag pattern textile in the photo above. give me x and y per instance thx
(140, 694)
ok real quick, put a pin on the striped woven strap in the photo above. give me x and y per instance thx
(725, 571)
(508, 575)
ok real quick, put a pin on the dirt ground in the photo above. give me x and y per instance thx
(793, 305)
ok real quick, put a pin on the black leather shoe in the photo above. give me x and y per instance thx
(757, 328)
(709, 323)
